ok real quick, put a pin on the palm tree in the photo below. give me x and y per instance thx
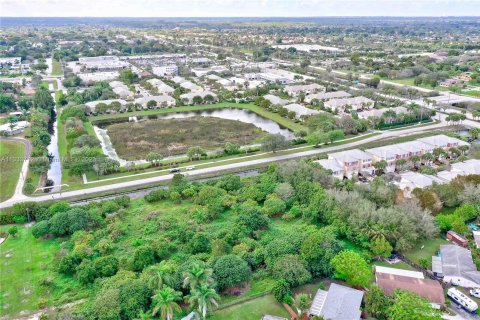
(463, 148)
(165, 302)
(144, 316)
(380, 165)
(302, 303)
(400, 164)
(197, 275)
(415, 160)
(438, 153)
(203, 297)
(427, 157)
(161, 275)
(455, 152)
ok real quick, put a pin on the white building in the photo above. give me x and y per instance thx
(464, 168)
(168, 70)
(275, 100)
(338, 303)
(92, 104)
(355, 103)
(161, 86)
(121, 89)
(332, 165)
(17, 127)
(410, 180)
(98, 76)
(13, 65)
(188, 97)
(191, 86)
(443, 141)
(300, 110)
(294, 90)
(162, 101)
(353, 161)
(327, 95)
(102, 63)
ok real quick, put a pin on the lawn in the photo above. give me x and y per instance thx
(10, 168)
(425, 250)
(253, 309)
(27, 279)
(56, 68)
(170, 137)
(284, 122)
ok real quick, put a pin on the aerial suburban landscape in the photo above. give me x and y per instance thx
(284, 164)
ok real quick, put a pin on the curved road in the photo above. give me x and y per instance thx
(238, 165)
(18, 194)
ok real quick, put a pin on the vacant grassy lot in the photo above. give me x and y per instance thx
(425, 250)
(10, 169)
(175, 136)
(253, 309)
(26, 262)
(56, 68)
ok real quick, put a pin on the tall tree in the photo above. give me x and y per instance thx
(196, 276)
(165, 302)
(203, 297)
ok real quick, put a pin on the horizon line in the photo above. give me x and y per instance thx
(327, 16)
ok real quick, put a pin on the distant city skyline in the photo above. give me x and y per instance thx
(237, 8)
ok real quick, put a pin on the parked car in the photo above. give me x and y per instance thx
(190, 168)
(475, 293)
(175, 170)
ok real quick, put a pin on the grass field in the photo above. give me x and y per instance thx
(10, 170)
(284, 122)
(425, 250)
(26, 262)
(253, 309)
(56, 68)
(170, 137)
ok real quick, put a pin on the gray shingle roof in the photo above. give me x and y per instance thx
(457, 261)
(340, 303)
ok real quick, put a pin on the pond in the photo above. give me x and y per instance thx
(233, 114)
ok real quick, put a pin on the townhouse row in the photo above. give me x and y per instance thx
(350, 162)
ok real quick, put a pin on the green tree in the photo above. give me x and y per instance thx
(13, 230)
(165, 303)
(381, 247)
(291, 268)
(230, 270)
(318, 249)
(410, 306)
(43, 100)
(197, 275)
(274, 142)
(194, 153)
(41, 229)
(351, 267)
(302, 303)
(335, 135)
(377, 303)
(160, 275)
(143, 257)
(282, 290)
(106, 305)
(154, 158)
(197, 100)
(203, 298)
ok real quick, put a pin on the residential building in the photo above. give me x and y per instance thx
(300, 111)
(162, 101)
(121, 89)
(355, 103)
(13, 65)
(332, 165)
(391, 279)
(204, 71)
(275, 100)
(93, 104)
(17, 128)
(353, 161)
(338, 303)
(443, 141)
(98, 76)
(326, 96)
(167, 70)
(410, 181)
(191, 86)
(161, 86)
(102, 63)
(294, 90)
(188, 97)
(457, 267)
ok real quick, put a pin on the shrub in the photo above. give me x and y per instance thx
(230, 270)
(156, 195)
(106, 266)
(143, 257)
(41, 229)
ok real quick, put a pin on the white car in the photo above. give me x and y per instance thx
(475, 293)
(190, 168)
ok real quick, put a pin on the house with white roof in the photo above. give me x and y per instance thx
(326, 96)
(300, 111)
(275, 100)
(191, 86)
(338, 303)
(294, 90)
(188, 97)
(355, 103)
(15, 128)
(464, 168)
(162, 101)
(121, 89)
(167, 70)
(443, 141)
(410, 180)
(353, 161)
(93, 104)
(334, 166)
(161, 86)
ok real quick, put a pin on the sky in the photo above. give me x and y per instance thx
(236, 8)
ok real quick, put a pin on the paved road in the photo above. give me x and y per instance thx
(18, 194)
(217, 169)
